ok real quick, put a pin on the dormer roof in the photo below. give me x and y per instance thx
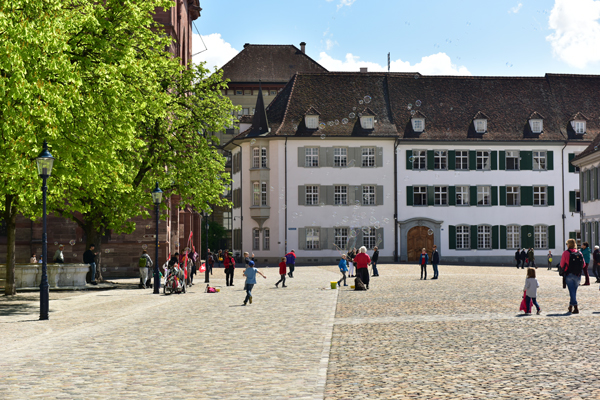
(535, 115)
(367, 112)
(312, 111)
(418, 114)
(579, 117)
(480, 115)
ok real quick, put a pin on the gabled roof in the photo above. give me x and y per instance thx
(269, 63)
(480, 115)
(260, 123)
(417, 114)
(578, 117)
(312, 111)
(367, 112)
(535, 115)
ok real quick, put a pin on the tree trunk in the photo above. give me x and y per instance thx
(94, 237)
(10, 217)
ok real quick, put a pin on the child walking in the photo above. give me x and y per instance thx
(531, 286)
(549, 259)
(282, 272)
(250, 274)
(343, 269)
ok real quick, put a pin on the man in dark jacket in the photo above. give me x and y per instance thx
(435, 260)
(89, 257)
(290, 260)
(531, 258)
(523, 258)
(374, 259)
(518, 258)
(596, 263)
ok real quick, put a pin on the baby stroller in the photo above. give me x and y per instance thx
(175, 280)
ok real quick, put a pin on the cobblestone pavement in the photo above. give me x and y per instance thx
(459, 337)
(462, 337)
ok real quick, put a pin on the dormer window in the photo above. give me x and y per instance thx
(418, 124)
(481, 125)
(367, 122)
(312, 121)
(579, 127)
(537, 125)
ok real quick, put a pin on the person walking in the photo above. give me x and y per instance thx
(571, 264)
(350, 259)
(549, 259)
(229, 264)
(523, 258)
(343, 265)
(89, 257)
(423, 260)
(250, 274)
(282, 273)
(362, 261)
(290, 260)
(435, 260)
(210, 261)
(531, 286)
(145, 263)
(531, 258)
(596, 260)
(220, 258)
(518, 258)
(374, 259)
(587, 253)
(59, 258)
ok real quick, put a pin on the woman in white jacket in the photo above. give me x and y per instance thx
(531, 286)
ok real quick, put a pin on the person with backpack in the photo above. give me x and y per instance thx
(596, 266)
(145, 262)
(587, 255)
(571, 265)
(229, 264)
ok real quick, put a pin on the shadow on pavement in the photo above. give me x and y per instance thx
(559, 315)
(9, 309)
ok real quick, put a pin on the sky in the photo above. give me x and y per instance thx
(433, 37)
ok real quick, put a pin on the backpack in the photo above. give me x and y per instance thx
(576, 263)
(359, 285)
(143, 262)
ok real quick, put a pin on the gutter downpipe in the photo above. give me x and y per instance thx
(241, 202)
(396, 200)
(564, 216)
(286, 199)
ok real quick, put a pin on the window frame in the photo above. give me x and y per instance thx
(439, 159)
(440, 193)
(465, 195)
(342, 200)
(518, 195)
(418, 124)
(340, 235)
(422, 193)
(256, 193)
(540, 158)
(516, 159)
(311, 195)
(255, 239)
(311, 121)
(371, 192)
(340, 160)
(543, 195)
(370, 239)
(256, 157)
(486, 195)
(264, 160)
(579, 126)
(484, 237)
(463, 237)
(482, 121)
(266, 239)
(421, 156)
(368, 160)
(537, 125)
(486, 161)
(541, 236)
(463, 155)
(309, 159)
(367, 122)
(513, 237)
(315, 242)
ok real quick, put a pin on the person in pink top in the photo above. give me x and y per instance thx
(571, 263)
(362, 261)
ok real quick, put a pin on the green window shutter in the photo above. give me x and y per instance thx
(572, 235)
(329, 156)
(494, 195)
(502, 159)
(526, 195)
(430, 195)
(495, 237)
(494, 160)
(526, 163)
(302, 238)
(430, 159)
(323, 233)
(301, 195)
(328, 193)
(378, 156)
(503, 236)
(527, 236)
(452, 237)
(502, 195)
(409, 163)
(473, 195)
(452, 195)
(379, 240)
(571, 166)
(354, 193)
(451, 160)
(550, 195)
(550, 160)
(473, 236)
(301, 157)
(323, 157)
(551, 237)
(572, 201)
(409, 195)
(472, 160)
(379, 195)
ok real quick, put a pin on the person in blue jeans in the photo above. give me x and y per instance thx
(572, 274)
(250, 274)
(435, 260)
(343, 265)
(423, 260)
(374, 259)
(89, 257)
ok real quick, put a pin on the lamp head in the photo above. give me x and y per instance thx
(157, 195)
(44, 162)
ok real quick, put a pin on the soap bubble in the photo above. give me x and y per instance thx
(418, 103)
(330, 123)
(148, 226)
(411, 159)
(144, 246)
(416, 76)
(363, 215)
(56, 243)
(351, 163)
(386, 220)
(377, 225)
(351, 115)
(322, 136)
(72, 242)
(353, 108)
(430, 232)
(283, 207)
(409, 106)
(366, 230)
(295, 126)
(412, 112)
(334, 214)
(74, 254)
(345, 219)
(103, 269)
(322, 204)
(372, 220)
(352, 233)
(272, 188)
(107, 251)
(344, 121)
(252, 141)
(359, 115)
(140, 241)
(295, 215)
(367, 99)
(300, 214)
(116, 268)
(529, 235)
(314, 223)
(337, 121)
(322, 125)
(360, 102)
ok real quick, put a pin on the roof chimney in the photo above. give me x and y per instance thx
(303, 47)
(246, 45)
(363, 69)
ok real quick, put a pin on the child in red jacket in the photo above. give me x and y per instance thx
(282, 272)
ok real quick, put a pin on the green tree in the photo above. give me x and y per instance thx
(216, 233)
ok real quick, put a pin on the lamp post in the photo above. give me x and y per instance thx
(156, 198)
(44, 165)
(206, 272)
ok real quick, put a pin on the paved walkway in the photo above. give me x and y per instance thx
(459, 337)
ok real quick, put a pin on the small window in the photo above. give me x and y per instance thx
(273, 92)
(263, 193)
(462, 195)
(541, 237)
(418, 124)
(537, 125)
(255, 239)
(512, 160)
(484, 237)
(440, 195)
(311, 157)
(367, 122)
(263, 157)
(578, 127)
(462, 160)
(369, 238)
(245, 111)
(419, 159)
(266, 239)
(539, 161)
(340, 195)
(312, 195)
(420, 195)
(312, 239)
(312, 121)
(577, 201)
(539, 196)
(512, 196)
(368, 156)
(368, 195)
(483, 161)
(340, 156)
(256, 193)
(513, 237)
(340, 238)
(440, 161)
(483, 196)
(463, 239)
(480, 125)
(239, 92)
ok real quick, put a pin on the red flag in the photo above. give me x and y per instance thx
(203, 267)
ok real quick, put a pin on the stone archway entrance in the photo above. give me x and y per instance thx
(417, 238)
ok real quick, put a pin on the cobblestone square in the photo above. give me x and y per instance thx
(458, 337)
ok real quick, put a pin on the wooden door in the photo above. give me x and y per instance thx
(417, 238)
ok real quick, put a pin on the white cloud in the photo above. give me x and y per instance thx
(516, 9)
(576, 37)
(435, 64)
(343, 3)
(218, 52)
(330, 43)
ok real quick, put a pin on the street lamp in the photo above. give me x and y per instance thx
(156, 198)
(44, 165)
(206, 272)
